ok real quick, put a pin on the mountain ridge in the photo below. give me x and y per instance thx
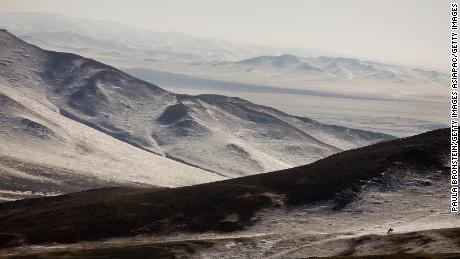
(253, 138)
(347, 68)
(44, 153)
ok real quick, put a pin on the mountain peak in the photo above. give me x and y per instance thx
(281, 60)
(286, 60)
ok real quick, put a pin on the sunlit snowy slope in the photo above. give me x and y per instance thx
(229, 136)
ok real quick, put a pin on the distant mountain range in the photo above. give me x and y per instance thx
(53, 31)
(227, 137)
(339, 75)
(340, 68)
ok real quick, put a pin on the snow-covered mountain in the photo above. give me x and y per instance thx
(337, 74)
(225, 135)
(344, 68)
(354, 92)
(58, 32)
(45, 153)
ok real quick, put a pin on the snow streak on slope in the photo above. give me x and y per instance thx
(226, 135)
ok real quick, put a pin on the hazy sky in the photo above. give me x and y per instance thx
(414, 32)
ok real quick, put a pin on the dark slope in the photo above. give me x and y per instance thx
(123, 212)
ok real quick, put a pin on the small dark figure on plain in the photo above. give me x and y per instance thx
(390, 230)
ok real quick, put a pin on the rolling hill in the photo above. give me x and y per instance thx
(340, 205)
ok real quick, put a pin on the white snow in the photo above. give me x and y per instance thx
(229, 136)
(70, 147)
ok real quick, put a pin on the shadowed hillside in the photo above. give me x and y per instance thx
(220, 206)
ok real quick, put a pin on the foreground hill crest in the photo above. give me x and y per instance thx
(380, 179)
